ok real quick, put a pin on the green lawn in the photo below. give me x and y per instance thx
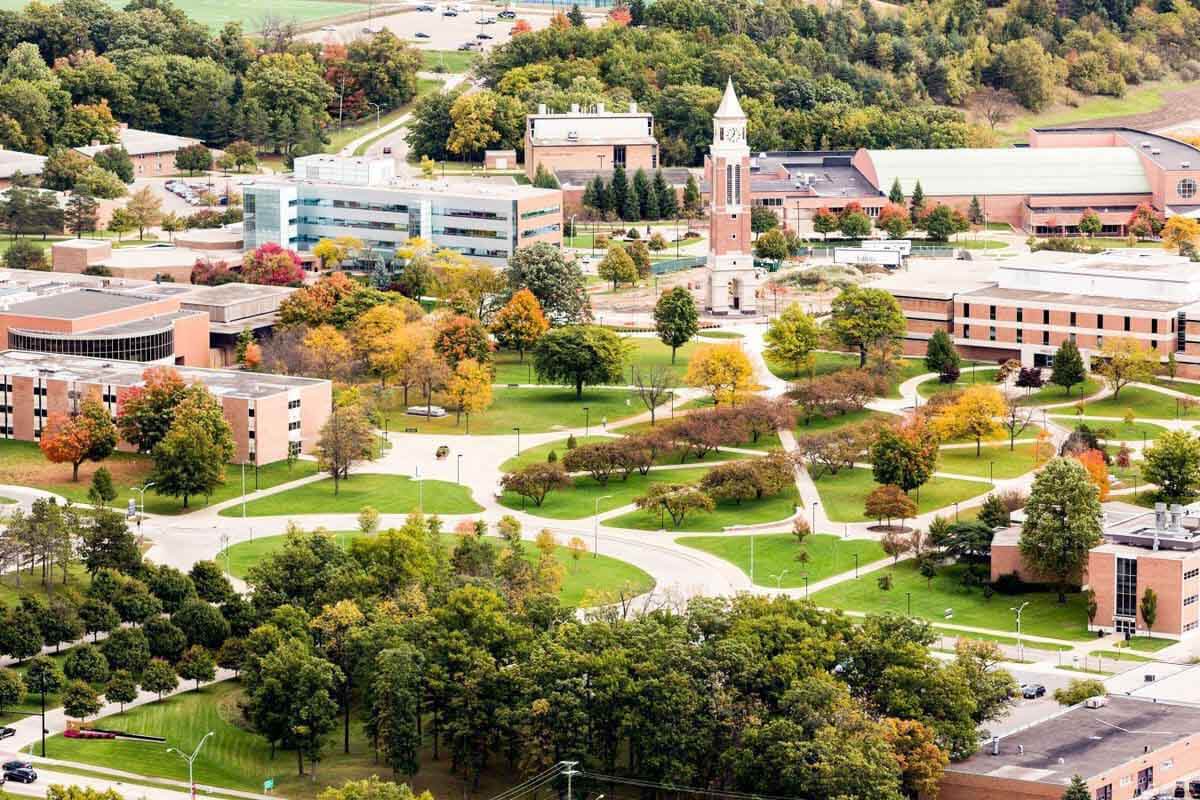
(1002, 462)
(215, 13)
(6, 501)
(1056, 394)
(643, 352)
(776, 552)
(1044, 616)
(13, 586)
(453, 61)
(749, 512)
(843, 494)
(22, 463)
(538, 454)
(579, 576)
(829, 361)
(1115, 431)
(1144, 403)
(580, 501)
(1187, 387)
(979, 244)
(532, 410)
(1119, 656)
(388, 494)
(965, 381)
(720, 335)
(1139, 100)
(819, 424)
(1146, 644)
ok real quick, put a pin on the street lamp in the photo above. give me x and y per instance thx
(908, 600)
(1020, 647)
(587, 419)
(991, 478)
(518, 430)
(420, 489)
(458, 470)
(376, 105)
(814, 516)
(956, 511)
(805, 577)
(856, 566)
(142, 501)
(191, 760)
(596, 525)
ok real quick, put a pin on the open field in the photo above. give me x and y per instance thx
(1144, 403)
(843, 494)
(579, 575)
(452, 61)
(966, 380)
(532, 410)
(993, 461)
(819, 424)
(581, 501)
(1143, 100)
(1115, 431)
(388, 494)
(351, 131)
(23, 464)
(215, 13)
(1044, 616)
(1056, 394)
(727, 514)
(644, 353)
(775, 561)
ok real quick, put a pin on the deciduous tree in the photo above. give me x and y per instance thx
(863, 319)
(1172, 463)
(345, 437)
(470, 387)
(722, 370)
(792, 337)
(535, 481)
(89, 435)
(520, 323)
(675, 318)
(580, 355)
(1063, 521)
(1124, 360)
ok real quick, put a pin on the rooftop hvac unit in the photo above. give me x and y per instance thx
(1096, 702)
(1156, 152)
(1145, 144)
(1185, 165)
(572, 136)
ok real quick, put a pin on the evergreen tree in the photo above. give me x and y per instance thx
(630, 207)
(993, 513)
(544, 178)
(1068, 366)
(975, 211)
(575, 16)
(1077, 790)
(940, 353)
(668, 205)
(593, 195)
(896, 194)
(917, 202)
(651, 211)
(641, 189)
(618, 190)
(244, 340)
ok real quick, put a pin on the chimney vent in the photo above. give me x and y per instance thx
(1176, 517)
(599, 108)
(574, 108)
(1160, 516)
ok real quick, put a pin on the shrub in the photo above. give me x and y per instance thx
(949, 374)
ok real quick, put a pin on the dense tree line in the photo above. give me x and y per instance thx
(464, 649)
(72, 69)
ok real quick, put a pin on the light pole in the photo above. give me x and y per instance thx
(908, 601)
(856, 566)
(596, 525)
(587, 419)
(376, 105)
(956, 511)
(142, 502)
(1020, 647)
(991, 477)
(458, 470)
(243, 488)
(191, 760)
(814, 516)
(225, 550)
(420, 489)
(518, 430)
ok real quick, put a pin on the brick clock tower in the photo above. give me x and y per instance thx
(733, 281)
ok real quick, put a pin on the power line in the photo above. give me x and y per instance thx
(732, 795)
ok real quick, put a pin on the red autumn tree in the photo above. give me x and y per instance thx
(521, 26)
(459, 338)
(145, 413)
(88, 435)
(620, 15)
(1145, 222)
(1093, 461)
(272, 265)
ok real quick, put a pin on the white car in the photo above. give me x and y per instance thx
(426, 411)
(462, 7)
(328, 29)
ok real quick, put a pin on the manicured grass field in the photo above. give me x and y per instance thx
(539, 454)
(980, 244)
(6, 501)
(1144, 403)
(580, 502)
(1146, 644)
(351, 131)
(720, 335)
(452, 61)
(1044, 616)
(843, 494)
(532, 410)
(1188, 387)
(776, 552)
(1143, 99)
(215, 13)
(749, 512)
(965, 381)
(998, 459)
(30, 584)
(579, 575)
(388, 494)
(23, 464)
(1115, 431)
(643, 352)
(829, 361)
(1051, 393)
(1119, 656)
(819, 424)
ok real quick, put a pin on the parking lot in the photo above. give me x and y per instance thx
(434, 30)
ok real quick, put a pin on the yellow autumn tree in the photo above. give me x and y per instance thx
(470, 387)
(1181, 234)
(372, 333)
(722, 370)
(328, 350)
(520, 323)
(975, 414)
(1093, 461)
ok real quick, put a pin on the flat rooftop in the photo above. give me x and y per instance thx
(231, 293)
(569, 178)
(221, 382)
(484, 190)
(809, 173)
(76, 304)
(1072, 299)
(1171, 152)
(135, 327)
(929, 279)
(1084, 741)
(140, 143)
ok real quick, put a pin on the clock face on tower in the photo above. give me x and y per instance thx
(734, 134)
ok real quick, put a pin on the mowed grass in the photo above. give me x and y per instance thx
(775, 562)
(532, 410)
(353, 130)
(993, 460)
(1140, 100)
(1115, 431)
(23, 464)
(1144, 403)
(843, 495)
(581, 501)
(725, 515)
(819, 424)
(388, 494)
(827, 361)
(538, 454)
(1044, 616)
(1187, 387)
(215, 13)
(452, 61)
(1050, 393)
(966, 380)
(580, 575)
(644, 353)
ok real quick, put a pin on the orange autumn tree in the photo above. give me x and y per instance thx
(520, 323)
(1093, 461)
(88, 435)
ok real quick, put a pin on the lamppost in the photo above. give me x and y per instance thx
(814, 516)
(856, 566)
(225, 550)
(458, 469)
(587, 419)
(420, 489)
(908, 600)
(191, 760)
(1020, 647)
(991, 478)
(376, 105)
(573, 226)
(596, 525)
(956, 511)
(243, 488)
(518, 430)
(805, 577)
(142, 502)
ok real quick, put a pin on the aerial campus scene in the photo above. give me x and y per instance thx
(613, 400)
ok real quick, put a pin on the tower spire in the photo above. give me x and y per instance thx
(730, 107)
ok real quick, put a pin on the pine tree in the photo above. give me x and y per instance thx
(641, 189)
(668, 206)
(544, 178)
(975, 211)
(1068, 366)
(575, 16)
(692, 204)
(629, 208)
(917, 202)
(244, 340)
(591, 196)
(896, 195)
(940, 354)
(651, 211)
(618, 188)
(1077, 790)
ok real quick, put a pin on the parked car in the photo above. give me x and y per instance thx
(449, 12)
(1032, 691)
(483, 36)
(328, 29)
(486, 21)
(421, 35)
(6, 732)
(1194, 788)
(20, 775)
(426, 411)
(424, 8)
(387, 151)
(507, 14)
(468, 46)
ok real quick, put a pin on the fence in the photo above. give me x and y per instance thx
(676, 264)
(918, 251)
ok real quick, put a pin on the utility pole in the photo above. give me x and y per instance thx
(570, 772)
